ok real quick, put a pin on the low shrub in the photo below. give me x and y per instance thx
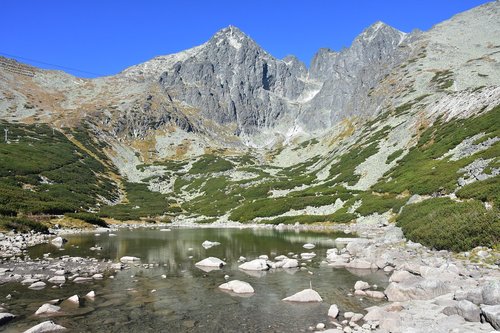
(22, 224)
(89, 218)
(444, 224)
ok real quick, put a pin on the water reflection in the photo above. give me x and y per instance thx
(189, 299)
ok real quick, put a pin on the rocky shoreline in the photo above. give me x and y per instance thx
(429, 290)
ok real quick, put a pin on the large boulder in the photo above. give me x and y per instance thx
(491, 314)
(238, 287)
(491, 293)
(306, 295)
(255, 265)
(361, 264)
(468, 310)
(400, 276)
(421, 289)
(474, 295)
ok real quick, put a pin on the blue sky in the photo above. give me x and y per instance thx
(103, 37)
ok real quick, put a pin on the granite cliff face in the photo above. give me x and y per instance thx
(232, 80)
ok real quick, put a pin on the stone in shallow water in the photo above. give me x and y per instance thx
(211, 262)
(307, 256)
(333, 311)
(361, 285)
(238, 287)
(46, 326)
(255, 265)
(309, 246)
(306, 295)
(129, 259)
(47, 309)
(58, 279)
(208, 244)
(37, 285)
(6, 317)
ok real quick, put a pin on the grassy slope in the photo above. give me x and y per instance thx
(77, 176)
(43, 172)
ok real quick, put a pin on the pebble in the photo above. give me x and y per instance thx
(320, 326)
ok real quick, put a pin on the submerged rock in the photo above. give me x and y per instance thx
(306, 295)
(238, 287)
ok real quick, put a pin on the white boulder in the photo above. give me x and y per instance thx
(46, 326)
(306, 295)
(333, 311)
(47, 309)
(308, 246)
(361, 285)
(37, 285)
(208, 244)
(58, 241)
(255, 265)
(307, 256)
(238, 287)
(129, 259)
(58, 279)
(290, 263)
(211, 262)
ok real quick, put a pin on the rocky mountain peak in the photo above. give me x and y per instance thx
(380, 32)
(231, 36)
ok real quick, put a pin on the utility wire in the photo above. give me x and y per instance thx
(49, 64)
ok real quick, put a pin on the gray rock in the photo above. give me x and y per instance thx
(474, 295)
(361, 285)
(491, 293)
(491, 314)
(415, 289)
(468, 310)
